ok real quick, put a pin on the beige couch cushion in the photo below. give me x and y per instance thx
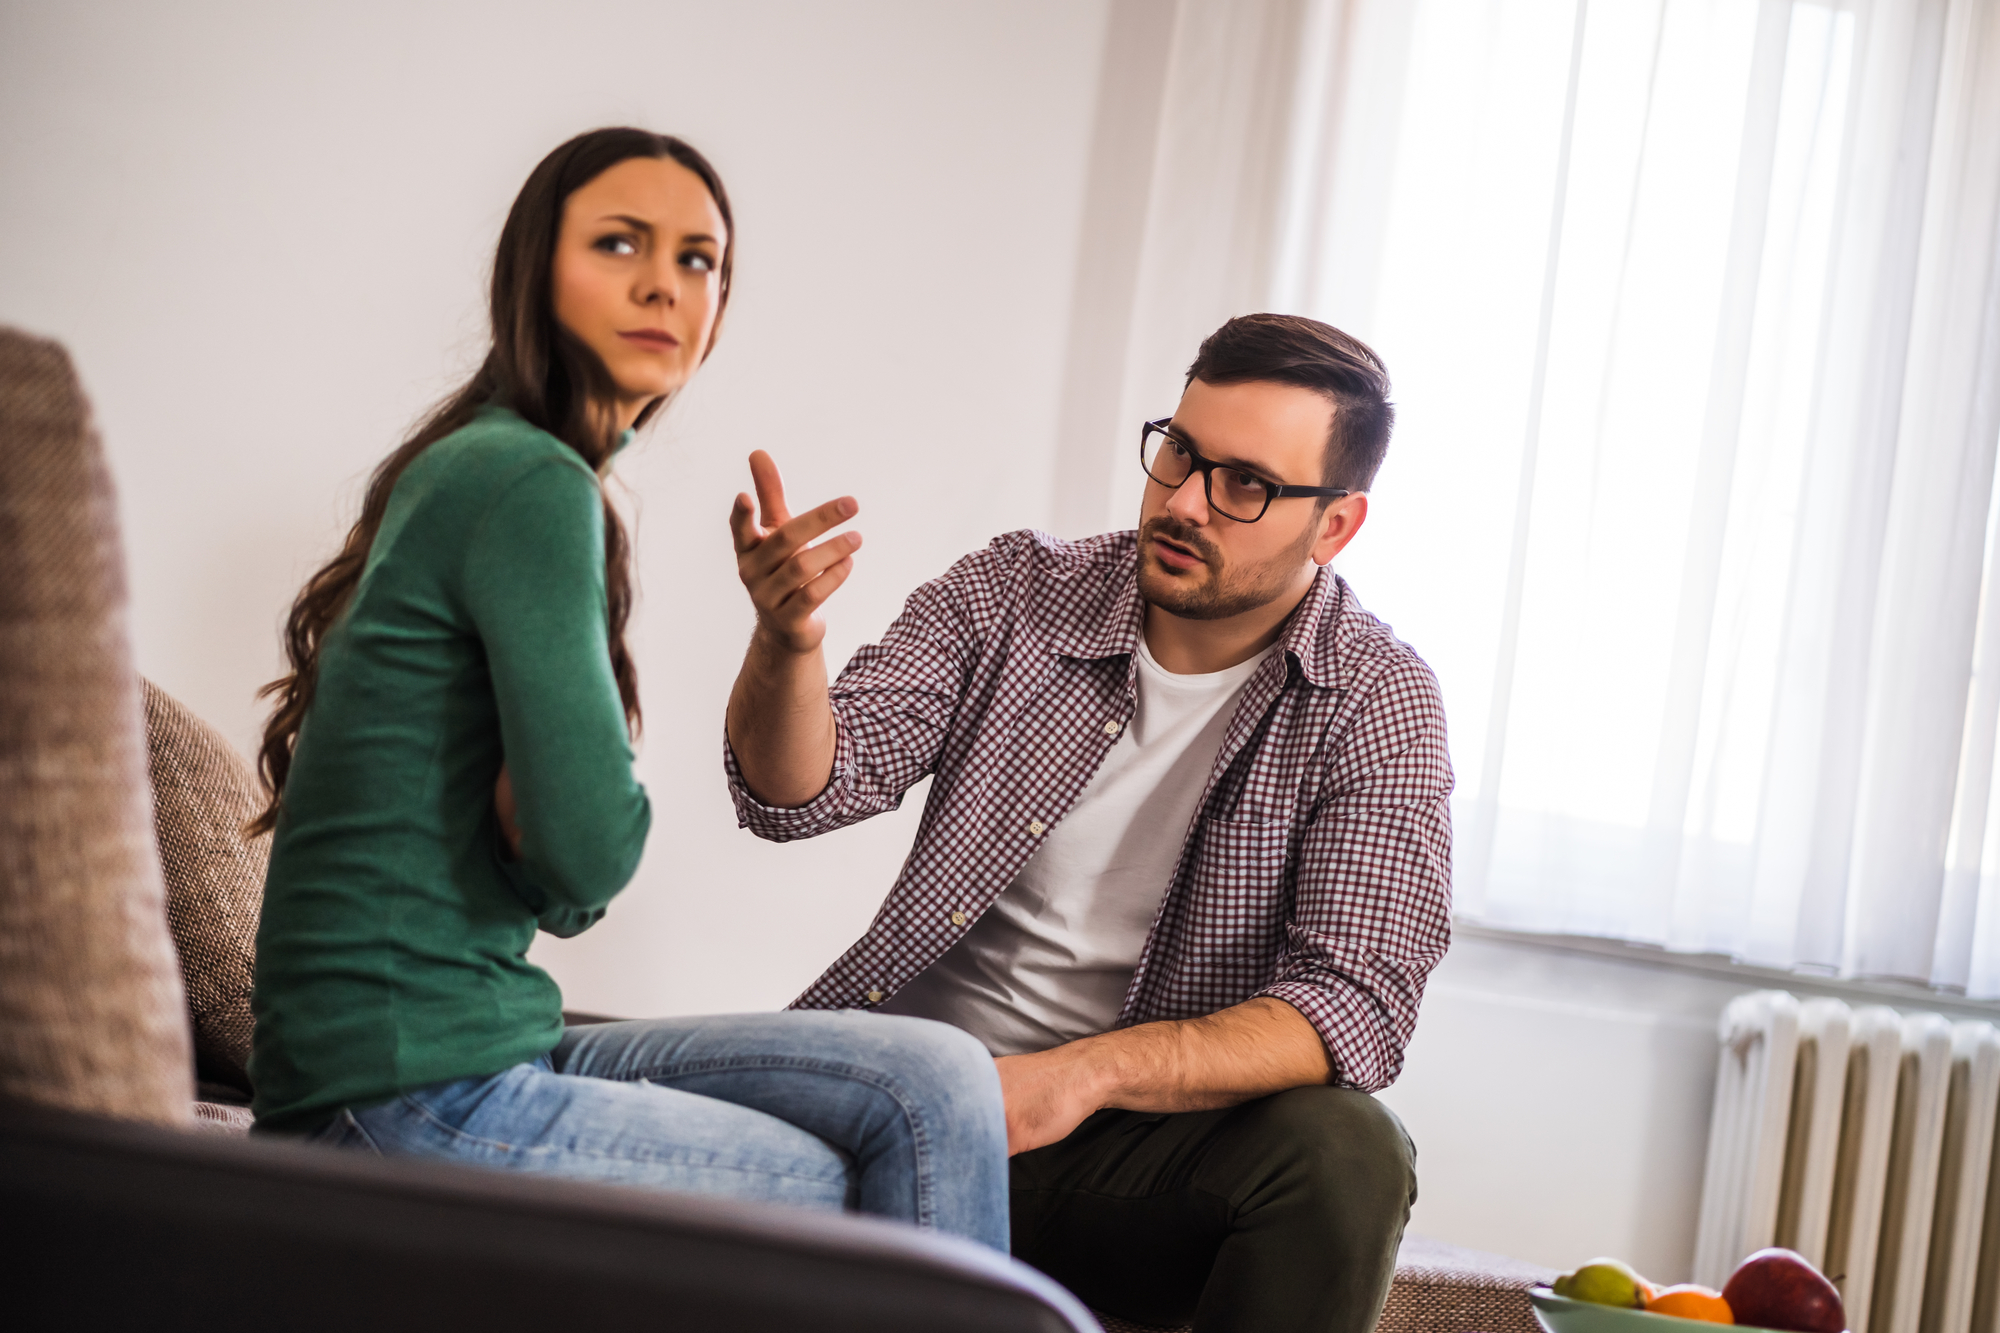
(203, 795)
(91, 1014)
(1449, 1289)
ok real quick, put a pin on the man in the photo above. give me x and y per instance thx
(1185, 862)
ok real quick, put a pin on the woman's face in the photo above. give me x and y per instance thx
(637, 275)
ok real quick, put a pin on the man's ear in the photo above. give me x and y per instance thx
(1338, 525)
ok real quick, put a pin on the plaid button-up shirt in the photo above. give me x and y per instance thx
(1317, 868)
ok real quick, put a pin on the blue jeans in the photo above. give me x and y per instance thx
(900, 1117)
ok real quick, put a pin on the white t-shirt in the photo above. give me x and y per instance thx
(1051, 958)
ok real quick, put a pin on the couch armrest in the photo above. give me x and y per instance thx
(114, 1226)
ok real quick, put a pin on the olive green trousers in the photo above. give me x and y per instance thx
(1278, 1215)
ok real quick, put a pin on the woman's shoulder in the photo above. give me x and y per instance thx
(498, 440)
(481, 461)
(495, 474)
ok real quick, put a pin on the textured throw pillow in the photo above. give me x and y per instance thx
(91, 1014)
(203, 795)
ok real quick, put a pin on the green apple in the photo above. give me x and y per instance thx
(1604, 1282)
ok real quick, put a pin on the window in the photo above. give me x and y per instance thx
(1692, 311)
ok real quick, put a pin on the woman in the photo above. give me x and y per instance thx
(449, 767)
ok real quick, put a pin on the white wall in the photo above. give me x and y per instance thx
(262, 232)
(1559, 1104)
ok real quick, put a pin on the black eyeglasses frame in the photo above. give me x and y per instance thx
(1272, 490)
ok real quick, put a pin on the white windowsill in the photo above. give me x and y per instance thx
(1897, 994)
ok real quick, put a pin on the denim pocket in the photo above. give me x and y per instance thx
(344, 1131)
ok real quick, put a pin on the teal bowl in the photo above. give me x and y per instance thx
(1560, 1314)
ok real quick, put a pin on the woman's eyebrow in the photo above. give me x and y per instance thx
(641, 225)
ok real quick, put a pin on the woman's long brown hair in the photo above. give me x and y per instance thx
(537, 368)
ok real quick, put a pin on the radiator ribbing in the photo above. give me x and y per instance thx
(1865, 1140)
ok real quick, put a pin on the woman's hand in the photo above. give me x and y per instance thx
(787, 579)
(503, 806)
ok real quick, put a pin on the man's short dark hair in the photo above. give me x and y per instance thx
(1290, 349)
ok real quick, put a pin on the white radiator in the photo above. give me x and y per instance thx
(1864, 1140)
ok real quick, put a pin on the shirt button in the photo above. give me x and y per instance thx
(874, 997)
(958, 918)
(1036, 827)
(1111, 728)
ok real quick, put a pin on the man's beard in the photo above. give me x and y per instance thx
(1226, 592)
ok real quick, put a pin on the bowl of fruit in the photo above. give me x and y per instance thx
(1772, 1289)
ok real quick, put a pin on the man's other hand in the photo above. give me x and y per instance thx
(1048, 1094)
(787, 578)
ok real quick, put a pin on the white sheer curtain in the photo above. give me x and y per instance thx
(1694, 314)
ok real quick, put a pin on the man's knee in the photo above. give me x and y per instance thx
(1341, 1148)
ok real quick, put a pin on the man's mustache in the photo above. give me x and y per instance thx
(1186, 534)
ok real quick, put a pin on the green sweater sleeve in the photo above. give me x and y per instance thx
(533, 582)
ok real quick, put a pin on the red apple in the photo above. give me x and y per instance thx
(1777, 1288)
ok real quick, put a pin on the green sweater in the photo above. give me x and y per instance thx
(392, 951)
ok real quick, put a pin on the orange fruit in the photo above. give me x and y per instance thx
(1689, 1301)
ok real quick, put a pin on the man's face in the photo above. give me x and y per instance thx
(1201, 565)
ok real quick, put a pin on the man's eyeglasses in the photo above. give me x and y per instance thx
(1232, 492)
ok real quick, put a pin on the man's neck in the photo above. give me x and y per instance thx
(1197, 647)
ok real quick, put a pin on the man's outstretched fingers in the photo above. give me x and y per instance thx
(811, 563)
(780, 544)
(811, 597)
(821, 517)
(742, 526)
(770, 490)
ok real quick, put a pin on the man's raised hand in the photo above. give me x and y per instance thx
(788, 579)
(781, 723)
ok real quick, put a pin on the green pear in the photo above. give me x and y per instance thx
(1604, 1282)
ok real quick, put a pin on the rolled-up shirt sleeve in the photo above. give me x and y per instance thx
(893, 705)
(1373, 906)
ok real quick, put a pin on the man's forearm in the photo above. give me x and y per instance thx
(1249, 1050)
(1244, 1052)
(781, 724)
